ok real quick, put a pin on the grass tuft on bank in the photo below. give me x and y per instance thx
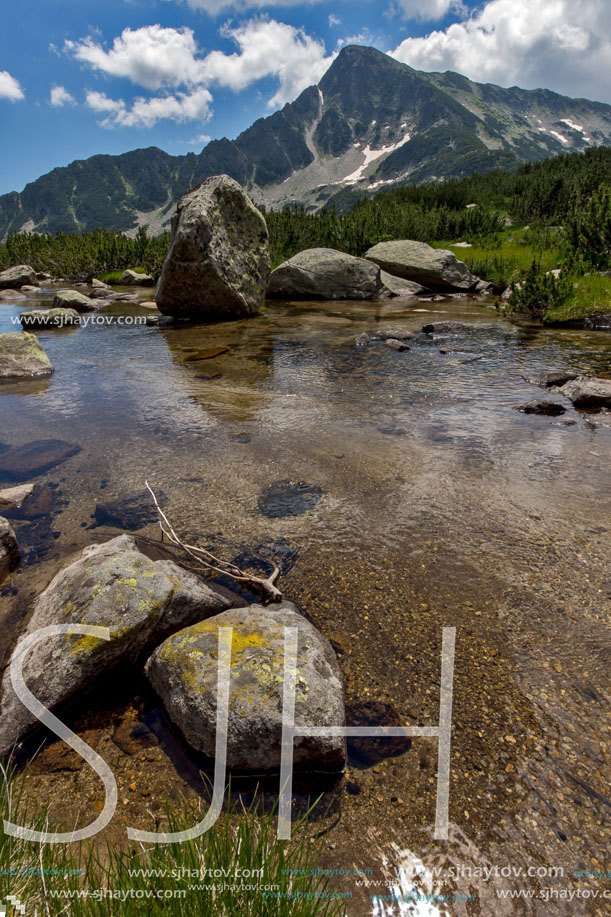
(237, 868)
(591, 294)
(501, 257)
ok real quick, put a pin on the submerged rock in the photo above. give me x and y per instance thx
(23, 462)
(375, 713)
(383, 334)
(548, 408)
(112, 585)
(131, 512)
(323, 273)
(184, 672)
(587, 392)
(288, 498)
(395, 344)
(22, 356)
(9, 552)
(218, 263)
(49, 318)
(72, 299)
(434, 268)
(444, 328)
(18, 276)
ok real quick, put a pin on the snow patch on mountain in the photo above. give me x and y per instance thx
(372, 156)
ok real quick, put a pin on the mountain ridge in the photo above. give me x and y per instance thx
(370, 123)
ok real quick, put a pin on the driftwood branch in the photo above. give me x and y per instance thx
(264, 588)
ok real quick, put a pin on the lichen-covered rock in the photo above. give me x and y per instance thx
(588, 392)
(434, 268)
(22, 356)
(183, 671)
(72, 299)
(218, 263)
(49, 318)
(9, 552)
(18, 276)
(111, 585)
(323, 273)
(133, 278)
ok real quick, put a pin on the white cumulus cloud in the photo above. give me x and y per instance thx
(156, 57)
(10, 88)
(427, 10)
(563, 45)
(194, 106)
(153, 57)
(269, 49)
(60, 97)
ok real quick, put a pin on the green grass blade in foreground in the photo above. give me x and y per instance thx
(26, 869)
(238, 868)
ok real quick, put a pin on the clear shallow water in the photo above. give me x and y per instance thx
(441, 505)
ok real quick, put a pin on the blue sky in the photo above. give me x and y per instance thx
(79, 78)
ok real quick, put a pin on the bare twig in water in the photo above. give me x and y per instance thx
(264, 588)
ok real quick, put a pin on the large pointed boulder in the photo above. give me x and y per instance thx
(218, 263)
